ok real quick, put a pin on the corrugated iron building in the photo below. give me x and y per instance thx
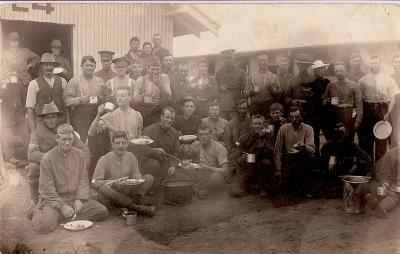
(86, 28)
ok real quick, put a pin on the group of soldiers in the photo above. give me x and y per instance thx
(256, 133)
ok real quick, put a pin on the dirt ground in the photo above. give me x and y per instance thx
(218, 224)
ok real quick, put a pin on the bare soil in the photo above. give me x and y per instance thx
(218, 224)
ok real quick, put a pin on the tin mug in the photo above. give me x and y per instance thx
(13, 79)
(271, 127)
(335, 101)
(257, 89)
(93, 99)
(109, 106)
(332, 162)
(382, 191)
(251, 158)
(130, 217)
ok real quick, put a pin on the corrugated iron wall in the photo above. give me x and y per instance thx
(101, 26)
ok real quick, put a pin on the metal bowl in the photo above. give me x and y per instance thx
(355, 179)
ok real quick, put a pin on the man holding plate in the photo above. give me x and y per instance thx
(115, 165)
(63, 185)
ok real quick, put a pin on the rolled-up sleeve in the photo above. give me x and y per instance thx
(31, 96)
(71, 96)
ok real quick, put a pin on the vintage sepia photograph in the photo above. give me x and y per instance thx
(199, 127)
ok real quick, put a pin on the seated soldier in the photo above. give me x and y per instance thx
(385, 175)
(43, 139)
(187, 123)
(216, 123)
(166, 140)
(341, 156)
(213, 160)
(117, 164)
(294, 152)
(258, 170)
(233, 131)
(64, 186)
(276, 119)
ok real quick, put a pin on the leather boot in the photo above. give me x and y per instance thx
(142, 209)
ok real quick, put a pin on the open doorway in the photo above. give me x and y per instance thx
(37, 37)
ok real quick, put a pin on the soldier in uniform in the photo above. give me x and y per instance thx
(231, 82)
(55, 48)
(106, 73)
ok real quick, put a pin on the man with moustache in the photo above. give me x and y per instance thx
(134, 51)
(158, 50)
(82, 96)
(43, 90)
(105, 73)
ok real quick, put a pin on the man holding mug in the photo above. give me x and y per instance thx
(256, 161)
(344, 97)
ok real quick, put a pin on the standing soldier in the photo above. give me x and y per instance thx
(106, 73)
(55, 48)
(263, 87)
(134, 51)
(158, 50)
(348, 96)
(43, 90)
(19, 60)
(231, 83)
(378, 91)
(82, 97)
(204, 87)
(355, 72)
(285, 79)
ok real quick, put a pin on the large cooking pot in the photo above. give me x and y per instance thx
(352, 193)
(178, 193)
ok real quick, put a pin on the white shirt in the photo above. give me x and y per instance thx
(378, 88)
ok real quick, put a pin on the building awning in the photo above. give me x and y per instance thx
(187, 19)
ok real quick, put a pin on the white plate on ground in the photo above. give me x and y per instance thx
(77, 225)
(133, 181)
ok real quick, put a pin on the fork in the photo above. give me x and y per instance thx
(74, 216)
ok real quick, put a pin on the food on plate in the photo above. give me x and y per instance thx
(141, 141)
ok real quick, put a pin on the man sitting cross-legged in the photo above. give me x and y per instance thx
(64, 185)
(117, 164)
(213, 160)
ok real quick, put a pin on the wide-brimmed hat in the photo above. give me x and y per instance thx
(50, 108)
(318, 64)
(13, 36)
(303, 58)
(48, 58)
(55, 43)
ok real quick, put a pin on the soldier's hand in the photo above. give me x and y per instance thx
(67, 211)
(137, 176)
(78, 205)
(84, 99)
(100, 109)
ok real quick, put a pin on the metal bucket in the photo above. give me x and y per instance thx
(178, 193)
(352, 189)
